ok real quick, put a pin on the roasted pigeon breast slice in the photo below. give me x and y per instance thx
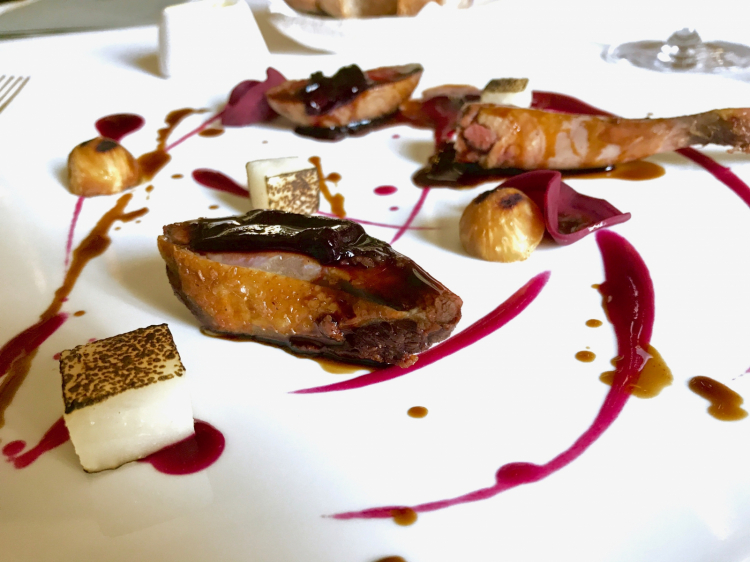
(382, 91)
(316, 285)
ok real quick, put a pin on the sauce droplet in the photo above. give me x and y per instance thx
(218, 181)
(212, 132)
(725, 402)
(404, 516)
(385, 190)
(79, 313)
(417, 411)
(394, 208)
(655, 376)
(118, 126)
(213, 207)
(336, 367)
(586, 356)
(177, 176)
(192, 454)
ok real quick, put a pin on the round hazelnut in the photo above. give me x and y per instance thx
(501, 225)
(101, 166)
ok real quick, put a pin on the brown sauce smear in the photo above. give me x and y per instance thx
(639, 170)
(94, 245)
(725, 402)
(586, 356)
(177, 176)
(151, 163)
(417, 412)
(336, 367)
(335, 201)
(212, 132)
(79, 313)
(593, 323)
(404, 516)
(654, 377)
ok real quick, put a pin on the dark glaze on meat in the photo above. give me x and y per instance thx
(350, 96)
(331, 289)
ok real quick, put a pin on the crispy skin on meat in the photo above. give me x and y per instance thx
(529, 139)
(365, 304)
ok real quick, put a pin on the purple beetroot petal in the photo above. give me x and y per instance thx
(568, 215)
(247, 103)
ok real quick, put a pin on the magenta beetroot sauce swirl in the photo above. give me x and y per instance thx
(629, 296)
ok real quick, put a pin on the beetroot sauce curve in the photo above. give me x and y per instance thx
(629, 295)
(483, 327)
(550, 101)
(413, 215)
(190, 455)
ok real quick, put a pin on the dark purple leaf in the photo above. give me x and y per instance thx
(247, 103)
(568, 215)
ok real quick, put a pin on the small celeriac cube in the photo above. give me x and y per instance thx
(507, 91)
(125, 397)
(284, 184)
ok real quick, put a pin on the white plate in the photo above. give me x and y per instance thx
(666, 482)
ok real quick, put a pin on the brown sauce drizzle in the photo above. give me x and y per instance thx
(335, 201)
(79, 313)
(593, 323)
(654, 377)
(586, 356)
(94, 245)
(177, 176)
(404, 516)
(725, 402)
(639, 170)
(213, 207)
(417, 412)
(152, 162)
(212, 132)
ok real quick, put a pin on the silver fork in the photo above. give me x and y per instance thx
(10, 86)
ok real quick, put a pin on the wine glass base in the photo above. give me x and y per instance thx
(684, 51)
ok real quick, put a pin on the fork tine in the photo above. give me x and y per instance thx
(3, 85)
(17, 86)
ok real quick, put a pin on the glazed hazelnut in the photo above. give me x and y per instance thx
(101, 166)
(501, 225)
